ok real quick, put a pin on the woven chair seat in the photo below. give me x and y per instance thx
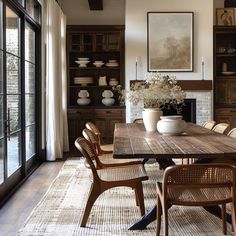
(199, 195)
(107, 147)
(108, 159)
(130, 173)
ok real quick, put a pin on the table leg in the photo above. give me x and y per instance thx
(142, 223)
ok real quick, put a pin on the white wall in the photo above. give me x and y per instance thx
(136, 36)
(78, 12)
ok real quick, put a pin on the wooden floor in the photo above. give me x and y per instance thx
(14, 213)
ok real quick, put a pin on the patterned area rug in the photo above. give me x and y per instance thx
(60, 210)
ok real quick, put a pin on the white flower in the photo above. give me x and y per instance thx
(157, 91)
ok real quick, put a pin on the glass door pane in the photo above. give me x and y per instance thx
(13, 91)
(30, 101)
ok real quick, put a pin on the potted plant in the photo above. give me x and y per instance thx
(156, 93)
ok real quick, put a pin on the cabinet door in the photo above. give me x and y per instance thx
(73, 127)
(232, 92)
(221, 92)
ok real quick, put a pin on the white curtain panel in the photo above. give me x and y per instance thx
(56, 85)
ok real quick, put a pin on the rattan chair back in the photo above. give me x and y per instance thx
(87, 150)
(232, 133)
(221, 128)
(209, 124)
(138, 121)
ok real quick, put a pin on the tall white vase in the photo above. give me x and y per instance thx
(150, 118)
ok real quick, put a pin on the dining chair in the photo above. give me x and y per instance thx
(138, 121)
(232, 133)
(209, 124)
(221, 128)
(196, 185)
(104, 179)
(106, 160)
(103, 148)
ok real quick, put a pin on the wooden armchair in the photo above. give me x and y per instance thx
(221, 128)
(209, 124)
(103, 148)
(196, 185)
(104, 179)
(106, 160)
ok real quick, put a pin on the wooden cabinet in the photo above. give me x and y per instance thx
(226, 115)
(105, 120)
(225, 74)
(94, 43)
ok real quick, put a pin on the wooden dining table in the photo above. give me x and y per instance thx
(131, 140)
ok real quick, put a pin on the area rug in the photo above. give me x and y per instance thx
(60, 210)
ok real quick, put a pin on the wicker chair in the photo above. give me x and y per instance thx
(104, 179)
(196, 185)
(138, 121)
(209, 124)
(232, 133)
(221, 128)
(103, 148)
(106, 160)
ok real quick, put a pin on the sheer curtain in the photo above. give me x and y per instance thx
(56, 85)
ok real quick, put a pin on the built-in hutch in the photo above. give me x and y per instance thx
(95, 60)
(225, 74)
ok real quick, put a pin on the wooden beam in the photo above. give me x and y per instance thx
(96, 5)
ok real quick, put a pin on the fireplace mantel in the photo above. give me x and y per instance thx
(195, 85)
(190, 85)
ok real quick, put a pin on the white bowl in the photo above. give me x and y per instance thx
(82, 63)
(83, 101)
(108, 101)
(98, 61)
(171, 125)
(98, 64)
(112, 61)
(83, 58)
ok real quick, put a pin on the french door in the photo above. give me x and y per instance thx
(19, 94)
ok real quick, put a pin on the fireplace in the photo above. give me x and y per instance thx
(188, 110)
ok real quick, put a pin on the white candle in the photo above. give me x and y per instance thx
(203, 68)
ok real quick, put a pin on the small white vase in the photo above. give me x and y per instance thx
(171, 125)
(150, 118)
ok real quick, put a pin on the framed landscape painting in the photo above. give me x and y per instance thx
(170, 41)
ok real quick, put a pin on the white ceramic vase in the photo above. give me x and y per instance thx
(150, 118)
(171, 125)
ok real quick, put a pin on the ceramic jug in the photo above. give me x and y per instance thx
(102, 81)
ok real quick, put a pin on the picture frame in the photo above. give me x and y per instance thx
(225, 16)
(170, 41)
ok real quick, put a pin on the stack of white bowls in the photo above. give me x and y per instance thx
(83, 97)
(108, 99)
(82, 61)
(98, 63)
(112, 63)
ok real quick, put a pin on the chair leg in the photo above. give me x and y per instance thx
(233, 217)
(158, 215)
(165, 217)
(93, 195)
(139, 196)
(223, 218)
(136, 197)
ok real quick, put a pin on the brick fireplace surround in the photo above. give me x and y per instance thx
(199, 90)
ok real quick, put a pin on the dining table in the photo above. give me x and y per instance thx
(131, 140)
